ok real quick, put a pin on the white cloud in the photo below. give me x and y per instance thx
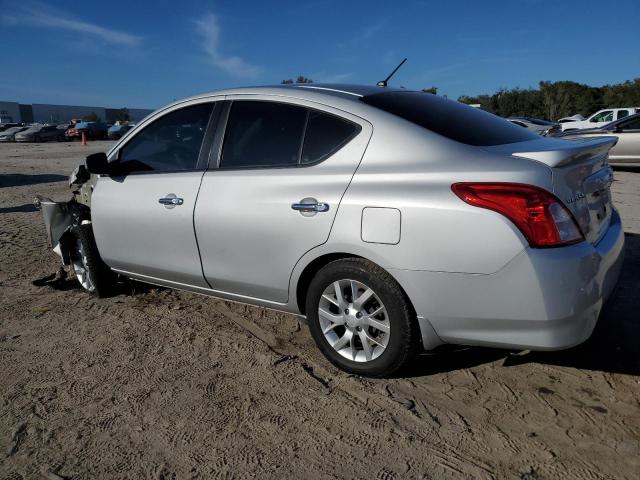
(36, 14)
(370, 31)
(209, 32)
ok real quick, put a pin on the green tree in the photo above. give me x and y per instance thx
(92, 117)
(123, 115)
(433, 90)
(554, 100)
(300, 79)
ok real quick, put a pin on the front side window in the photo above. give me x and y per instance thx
(606, 116)
(171, 143)
(263, 134)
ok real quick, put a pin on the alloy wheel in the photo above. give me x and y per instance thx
(353, 320)
(80, 266)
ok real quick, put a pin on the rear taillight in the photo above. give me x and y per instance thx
(538, 214)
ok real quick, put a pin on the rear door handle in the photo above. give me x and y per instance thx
(171, 200)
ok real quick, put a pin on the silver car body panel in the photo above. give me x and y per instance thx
(469, 272)
(149, 239)
(626, 151)
(263, 237)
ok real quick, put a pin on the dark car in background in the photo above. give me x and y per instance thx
(117, 131)
(38, 133)
(62, 131)
(541, 127)
(93, 131)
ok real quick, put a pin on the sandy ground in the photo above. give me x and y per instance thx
(159, 384)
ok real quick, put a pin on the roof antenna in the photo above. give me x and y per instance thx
(383, 83)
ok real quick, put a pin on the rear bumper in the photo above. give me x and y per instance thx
(543, 299)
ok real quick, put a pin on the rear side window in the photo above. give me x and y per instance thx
(171, 143)
(623, 113)
(325, 135)
(450, 119)
(263, 134)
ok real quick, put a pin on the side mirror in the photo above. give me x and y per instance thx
(98, 164)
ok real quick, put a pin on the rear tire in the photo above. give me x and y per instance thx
(91, 272)
(391, 336)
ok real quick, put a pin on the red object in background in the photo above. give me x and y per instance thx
(84, 137)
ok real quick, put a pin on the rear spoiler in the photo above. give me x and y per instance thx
(556, 152)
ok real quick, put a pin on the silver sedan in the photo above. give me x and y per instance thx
(394, 221)
(626, 152)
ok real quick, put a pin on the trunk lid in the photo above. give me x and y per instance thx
(581, 176)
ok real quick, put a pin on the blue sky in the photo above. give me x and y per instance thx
(145, 54)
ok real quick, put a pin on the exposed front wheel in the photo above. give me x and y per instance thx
(361, 319)
(92, 273)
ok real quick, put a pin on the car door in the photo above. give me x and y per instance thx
(142, 214)
(274, 191)
(627, 150)
(50, 132)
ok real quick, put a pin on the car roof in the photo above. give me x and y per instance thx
(307, 91)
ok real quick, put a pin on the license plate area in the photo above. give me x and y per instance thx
(597, 190)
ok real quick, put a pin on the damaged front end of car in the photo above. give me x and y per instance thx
(61, 217)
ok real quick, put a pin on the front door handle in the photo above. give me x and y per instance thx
(310, 206)
(171, 200)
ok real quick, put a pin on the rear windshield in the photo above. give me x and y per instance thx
(450, 119)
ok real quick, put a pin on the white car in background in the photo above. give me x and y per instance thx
(572, 118)
(600, 118)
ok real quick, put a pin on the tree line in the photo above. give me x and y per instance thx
(550, 101)
(554, 100)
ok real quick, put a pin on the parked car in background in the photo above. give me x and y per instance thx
(38, 133)
(600, 118)
(117, 131)
(10, 134)
(572, 118)
(393, 220)
(62, 130)
(93, 131)
(627, 130)
(541, 127)
(6, 126)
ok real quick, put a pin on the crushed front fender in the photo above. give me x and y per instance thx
(59, 218)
